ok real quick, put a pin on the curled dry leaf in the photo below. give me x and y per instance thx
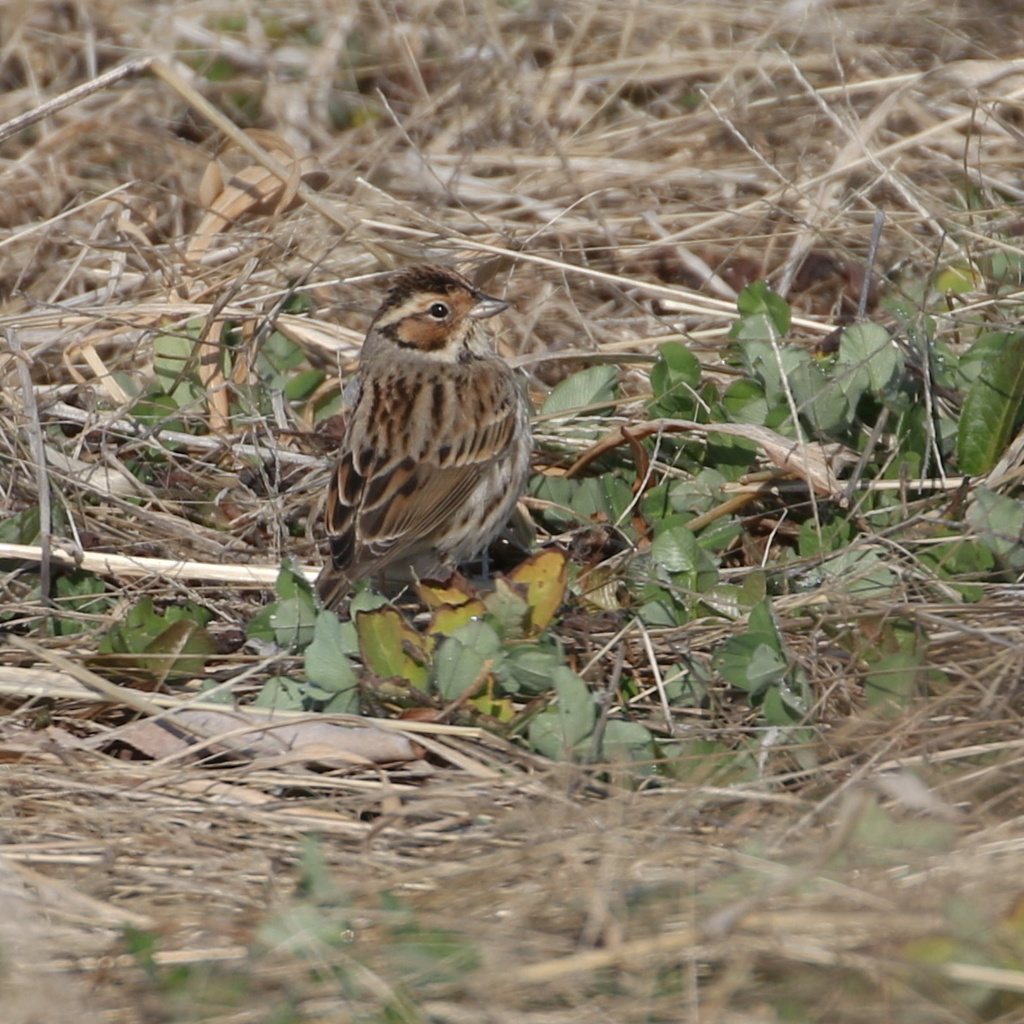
(229, 192)
(1008, 75)
(263, 735)
(815, 463)
(913, 794)
(250, 188)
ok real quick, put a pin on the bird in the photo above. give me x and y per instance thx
(436, 447)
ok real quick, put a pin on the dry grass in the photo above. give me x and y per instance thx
(619, 170)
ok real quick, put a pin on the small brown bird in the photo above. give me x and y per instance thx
(436, 448)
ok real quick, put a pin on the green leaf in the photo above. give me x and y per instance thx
(661, 608)
(362, 601)
(290, 582)
(605, 497)
(772, 364)
(958, 279)
(818, 399)
(984, 350)
(962, 561)
(731, 456)
(897, 657)
(708, 761)
(822, 538)
(507, 608)
(912, 441)
(293, 621)
(720, 536)
(676, 365)
(697, 494)
(687, 686)
(188, 611)
(999, 522)
(871, 358)
(174, 362)
(730, 601)
(861, 572)
(22, 528)
(527, 668)
(757, 659)
(762, 621)
(754, 589)
(764, 314)
(156, 646)
(751, 665)
(991, 409)
(463, 657)
(214, 692)
(294, 616)
(330, 673)
(745, 402)
(676, 549)
(131, 635)
(675, 378)
(558, 731)
(180, 651)
(260, 626)
(391, 647)
(155, 409)
(432, 956)
(785, 703)
(889, 836)
(302, 385)
(279, 357)
(893, 681)
(589, 387)
(626, 741)
(281, 693)
(81, 591)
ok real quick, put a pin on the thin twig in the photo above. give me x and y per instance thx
(132, 67)
(168, 568)
(869, 263)
(38, 449)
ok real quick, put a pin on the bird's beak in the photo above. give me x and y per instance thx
(487, 305)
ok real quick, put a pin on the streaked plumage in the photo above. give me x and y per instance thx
(436, 448)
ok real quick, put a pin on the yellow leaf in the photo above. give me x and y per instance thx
(447, 618)
(391, 647)
(501, 708)
(545, 576)
(957, 280)
(457, 591)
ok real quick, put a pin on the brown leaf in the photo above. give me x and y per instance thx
(229, 194)
(304, 738)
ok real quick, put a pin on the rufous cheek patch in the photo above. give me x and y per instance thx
(425, 334)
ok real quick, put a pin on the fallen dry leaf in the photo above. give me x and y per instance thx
(811, 461)
(260, 734)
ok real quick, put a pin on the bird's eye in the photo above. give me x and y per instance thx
(438, 310)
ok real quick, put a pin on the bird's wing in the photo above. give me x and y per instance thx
(384, 505)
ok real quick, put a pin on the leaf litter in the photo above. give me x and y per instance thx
(833, 819)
